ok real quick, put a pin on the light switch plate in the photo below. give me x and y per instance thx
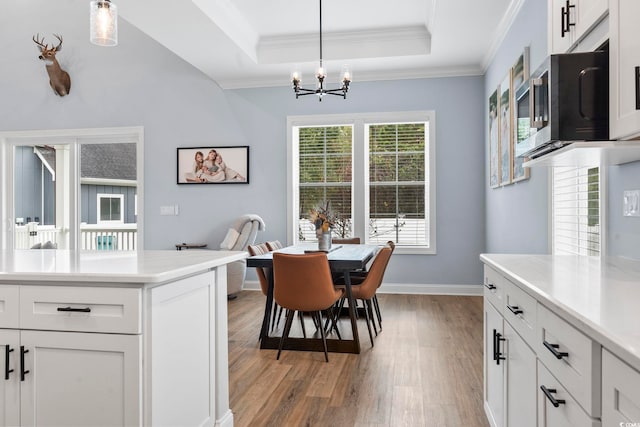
(631, 203)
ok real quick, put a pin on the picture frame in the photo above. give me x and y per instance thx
(218, 165)
(505, 140)
(520, 75)
(494, 164)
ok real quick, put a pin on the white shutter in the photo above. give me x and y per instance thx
(576, 211)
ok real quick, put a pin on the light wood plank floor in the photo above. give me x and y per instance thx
(425, 369)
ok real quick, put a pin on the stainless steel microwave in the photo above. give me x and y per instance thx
(565, 100)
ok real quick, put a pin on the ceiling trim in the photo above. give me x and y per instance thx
(388, 42)
(501, 32)
(422, 73)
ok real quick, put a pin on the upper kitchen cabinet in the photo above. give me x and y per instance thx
(571, 20)
(624, 72)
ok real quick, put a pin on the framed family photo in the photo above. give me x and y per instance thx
(494, 164)
(505, 120)
(213, 165)
(520, 73)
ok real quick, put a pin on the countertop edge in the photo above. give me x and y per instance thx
(604, 336)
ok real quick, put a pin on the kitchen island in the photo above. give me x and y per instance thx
(121, 338)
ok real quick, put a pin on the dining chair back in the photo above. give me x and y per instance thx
(303, 282)
(346, 240)
(373, 280)
(260, 249)
(274, 245)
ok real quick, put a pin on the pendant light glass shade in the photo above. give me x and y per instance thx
(103, 23)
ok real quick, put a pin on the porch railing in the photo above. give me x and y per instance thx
(122, 237)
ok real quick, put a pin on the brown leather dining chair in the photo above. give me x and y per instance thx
(366, 289)
(302, 282)
(346, 240)
(274, 245)
(262, 273)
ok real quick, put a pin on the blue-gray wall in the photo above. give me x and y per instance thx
(89, 201)
(458, 103)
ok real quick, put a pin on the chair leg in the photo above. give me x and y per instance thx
(366, 315)
(377, 307)
(304, 331)
(274, 309)
(368, 305)
(285, 333)
(324, 338)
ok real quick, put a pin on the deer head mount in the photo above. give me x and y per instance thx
(58, 78)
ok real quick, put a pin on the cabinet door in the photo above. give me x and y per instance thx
(587, 14)
(80, 379)
(624, 73)
(10, 389)
(493, 365)
(520, 381)
(620, 392)
(560, 41)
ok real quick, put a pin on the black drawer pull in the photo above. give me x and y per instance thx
(23, 371)
(490, 286)
(565, 19)
(497, 355)
(637, 79)
(75, 310)
(514, 309)
(553, 348)
(7, 371)
(549, 393)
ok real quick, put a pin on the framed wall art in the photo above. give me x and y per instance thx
(494, 164)
(213, 165)
(520, 73)
(505, 119)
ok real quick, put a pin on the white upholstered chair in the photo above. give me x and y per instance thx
(238, 238)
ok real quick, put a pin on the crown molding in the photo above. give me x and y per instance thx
(389, 42)
(502, 31)
(408, 74)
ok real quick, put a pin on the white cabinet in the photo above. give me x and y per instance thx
(570, 20)
(69, 378)
(624, 73)
(620, 392)
(79, 379)
(509, 362)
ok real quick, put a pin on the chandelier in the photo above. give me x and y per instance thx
(103, 23)
(321, 74)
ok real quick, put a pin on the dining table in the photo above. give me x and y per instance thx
(343, 259)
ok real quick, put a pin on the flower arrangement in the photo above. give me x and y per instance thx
(322, 217)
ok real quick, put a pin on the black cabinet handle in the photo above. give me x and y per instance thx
(497, 356)
(514, 309)
(549, 393)
(637, 79)
(553, 348)
(490, 286)
(7, 371)
(23, 371)
(75, 310)
(565, 19)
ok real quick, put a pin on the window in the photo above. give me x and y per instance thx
(576, 211)
(110, 209)
(376, 171)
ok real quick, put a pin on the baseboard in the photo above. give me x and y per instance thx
(408, 288)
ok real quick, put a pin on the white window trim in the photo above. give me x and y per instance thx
(101, 196)
(360, 202)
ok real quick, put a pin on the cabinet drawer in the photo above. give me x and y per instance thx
(620, 392)
(494, 285)
(9, 306)
(563, 410)
(81, 309)
(520, 311)
(572, 358)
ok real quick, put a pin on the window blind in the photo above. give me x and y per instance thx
(576, 210)
(325, 165)
(398, 183)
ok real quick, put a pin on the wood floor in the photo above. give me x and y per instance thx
(425, 369)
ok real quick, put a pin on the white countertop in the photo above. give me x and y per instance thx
(599, 297)
(49, 265)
